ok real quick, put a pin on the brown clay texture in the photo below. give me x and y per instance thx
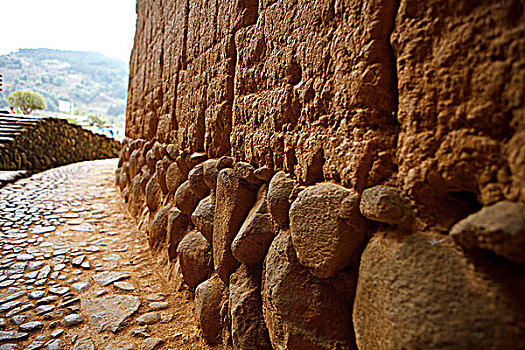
(365, 159)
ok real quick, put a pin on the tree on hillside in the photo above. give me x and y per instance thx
(27, 101)
(96, 120)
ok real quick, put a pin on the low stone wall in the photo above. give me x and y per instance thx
(277, 264)
(54, 142)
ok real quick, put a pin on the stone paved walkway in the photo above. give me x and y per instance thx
(76, 274)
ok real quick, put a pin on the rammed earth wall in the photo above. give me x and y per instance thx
(334, 174)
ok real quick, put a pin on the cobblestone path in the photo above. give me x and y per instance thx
(76, 274)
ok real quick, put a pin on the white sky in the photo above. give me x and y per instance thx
(103, 26)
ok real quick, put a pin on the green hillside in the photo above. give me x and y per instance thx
(94, 82)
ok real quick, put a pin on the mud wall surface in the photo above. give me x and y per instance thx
(334, 174)
(36, 144)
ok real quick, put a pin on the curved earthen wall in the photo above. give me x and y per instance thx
(333, 174)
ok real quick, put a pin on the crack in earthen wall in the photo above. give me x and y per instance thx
(231, 86)
(184, 52)
(181, 65)
(394, 60)
(395, 83)
(162, 71)
(215, 38)
(232, 94)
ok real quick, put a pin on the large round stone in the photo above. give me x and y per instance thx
(144, 178)
(123, 180)
(499, 228)
(302, 311)
(174, 177)
(385, 204)
(158, 227)
(256, 234)
(420, 291)
(160, 172)
(177, 225)
(136, 198)
(194, 253)
(185, 198)
(197, 183)
(279, 190)
(210, 171)
(202, 216)
(153, 193)
(134, 163)
(150, 159)
(247, 323)
(327, 229)
(210, 296)
(233, 203)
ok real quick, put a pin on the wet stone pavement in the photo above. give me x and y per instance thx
(74, 271)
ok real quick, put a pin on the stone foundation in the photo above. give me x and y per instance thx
(275, 264)
(334, 175)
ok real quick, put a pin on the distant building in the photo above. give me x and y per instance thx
(66, 106)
